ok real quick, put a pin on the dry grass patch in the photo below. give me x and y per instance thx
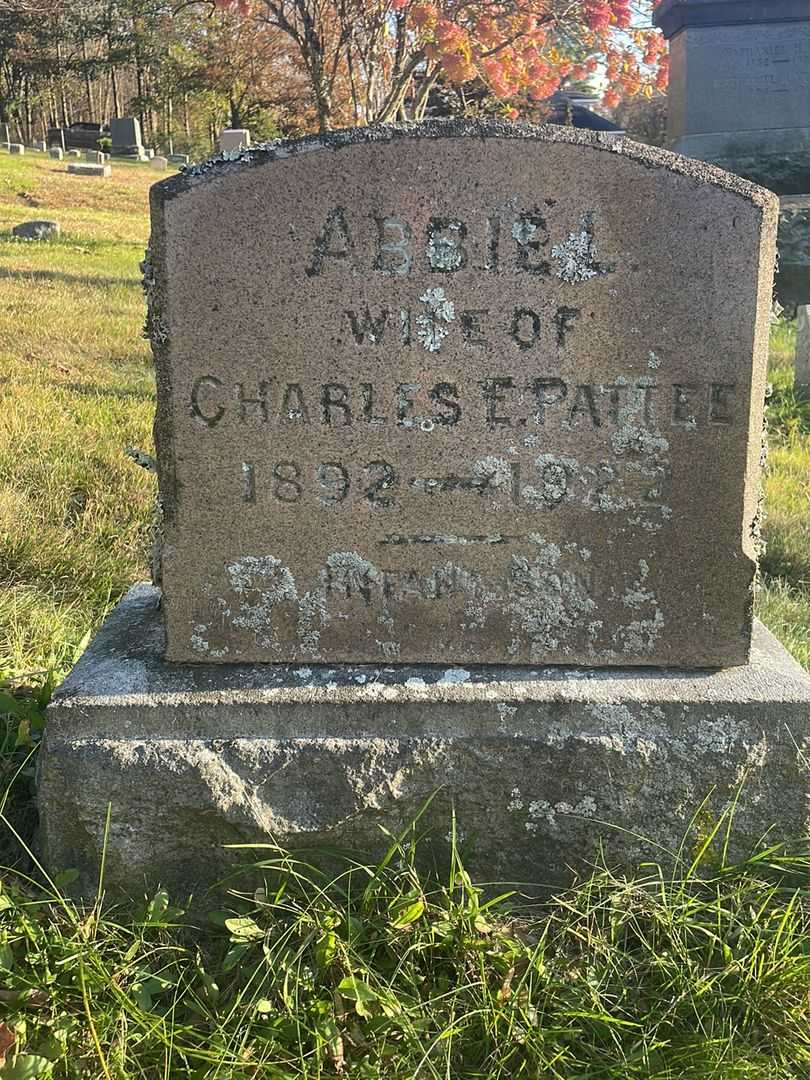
(35, 182)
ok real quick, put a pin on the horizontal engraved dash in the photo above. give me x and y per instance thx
(398, 540)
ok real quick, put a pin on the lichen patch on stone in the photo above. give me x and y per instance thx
(431, 325)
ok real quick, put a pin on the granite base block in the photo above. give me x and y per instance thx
(544, 766)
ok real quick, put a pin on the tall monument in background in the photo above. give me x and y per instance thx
(739, 97)
(739, 91)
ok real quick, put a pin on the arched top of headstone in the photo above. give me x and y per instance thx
(233, 162)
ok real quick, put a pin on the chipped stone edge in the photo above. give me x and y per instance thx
(753, 489)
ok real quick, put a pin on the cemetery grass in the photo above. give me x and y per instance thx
(383, 971)
(386, 972)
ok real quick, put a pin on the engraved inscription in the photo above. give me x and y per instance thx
(448, 421)
(501, 401)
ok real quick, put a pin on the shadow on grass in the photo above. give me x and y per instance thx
(94, 390)
(91, 280)
(787, 560)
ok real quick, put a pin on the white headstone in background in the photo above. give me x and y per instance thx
(234, 139)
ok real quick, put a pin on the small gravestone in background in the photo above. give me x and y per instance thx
(56, 153)
(88, 169)
(125, 134)
(179, 159)
(234, 139)
(95, 157)
(802, 368)
(55, 138)
(158, 163)
(74, 153)
(16, 148)
(36, 230)
(463, 402)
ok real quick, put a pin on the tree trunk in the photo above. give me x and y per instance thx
(60, 78)
(139, 81)
(26, 112)
(116, 104)
(88, 82)
(170, 123)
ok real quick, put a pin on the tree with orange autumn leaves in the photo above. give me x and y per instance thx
(375, 61)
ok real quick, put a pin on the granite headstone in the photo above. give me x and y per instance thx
(56, 138)
(125, 135)
(234, 139)
(453, 391)
(86, 168)
(451, 399)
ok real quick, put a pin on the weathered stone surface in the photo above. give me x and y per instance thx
(74, 153)
(543, 765)
(56, 153)
(16, 148)
(740, 85)
(234, 139)
(179, 159)
(86, 169)
(95, 157)
(36, 230)
(464, 392)
(159, 163)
